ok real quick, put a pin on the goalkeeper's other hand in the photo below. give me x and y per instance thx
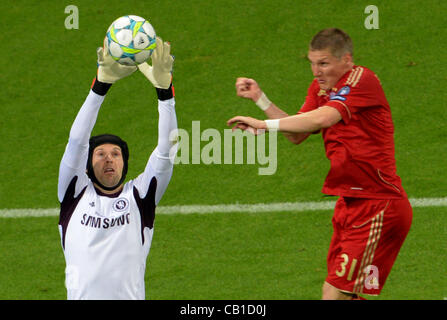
(160, 73)
(109, 70)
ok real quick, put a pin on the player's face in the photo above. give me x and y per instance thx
(327, 68)
(108, 163)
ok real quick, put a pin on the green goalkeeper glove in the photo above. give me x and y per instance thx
(109, 70)
(160, 73)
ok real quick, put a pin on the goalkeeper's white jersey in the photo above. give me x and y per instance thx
(106, 241)
(106, 238)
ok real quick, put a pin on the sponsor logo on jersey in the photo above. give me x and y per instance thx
(120, 204)
(105, 223)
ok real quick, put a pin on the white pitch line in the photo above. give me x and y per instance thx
(226, 208)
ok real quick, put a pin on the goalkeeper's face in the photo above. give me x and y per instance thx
(108, 163)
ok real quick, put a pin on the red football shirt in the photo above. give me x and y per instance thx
(361, 145)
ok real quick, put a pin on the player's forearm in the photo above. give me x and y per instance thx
(308, 122)
(86, 118)
(299, 124)
(273, 112)
(87, 115)
(76, 152)
(167, 123)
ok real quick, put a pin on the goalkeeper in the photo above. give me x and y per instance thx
(106, 225)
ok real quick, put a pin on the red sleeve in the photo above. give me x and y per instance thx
(362, 89)
(311, 102)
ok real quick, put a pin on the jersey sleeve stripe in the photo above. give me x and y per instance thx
(354, 71)
(357, 79)
(355, 76)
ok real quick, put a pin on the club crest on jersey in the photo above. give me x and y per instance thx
(120, 204)
(340, 94)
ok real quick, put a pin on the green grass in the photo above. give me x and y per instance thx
(278, 255)
(215, 42)
(46, 74)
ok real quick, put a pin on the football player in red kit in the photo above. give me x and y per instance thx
(346, 103)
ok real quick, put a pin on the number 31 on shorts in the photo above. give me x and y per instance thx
(371, 280)
(342, 271)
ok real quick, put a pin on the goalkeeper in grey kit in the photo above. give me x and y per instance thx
(106, 225)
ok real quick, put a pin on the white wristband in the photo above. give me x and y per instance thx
(272, 124)
(263, 102)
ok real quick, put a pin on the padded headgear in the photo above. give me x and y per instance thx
(103, 139)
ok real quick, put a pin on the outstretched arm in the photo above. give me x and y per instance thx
(249, 89)
(76, 152)
(74, 160)
(161, 161)
(308, 122)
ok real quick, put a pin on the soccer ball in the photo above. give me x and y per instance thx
(130, 40)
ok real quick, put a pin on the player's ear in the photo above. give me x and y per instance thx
(347, 58)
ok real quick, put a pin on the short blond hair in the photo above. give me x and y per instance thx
(336, 40)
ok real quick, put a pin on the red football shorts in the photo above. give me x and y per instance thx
(368, 234)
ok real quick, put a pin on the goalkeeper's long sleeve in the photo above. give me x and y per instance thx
(75, 157)
(167, 122)
(161, 161)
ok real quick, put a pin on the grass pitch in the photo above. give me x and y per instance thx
(46, 75)
(231, 256)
